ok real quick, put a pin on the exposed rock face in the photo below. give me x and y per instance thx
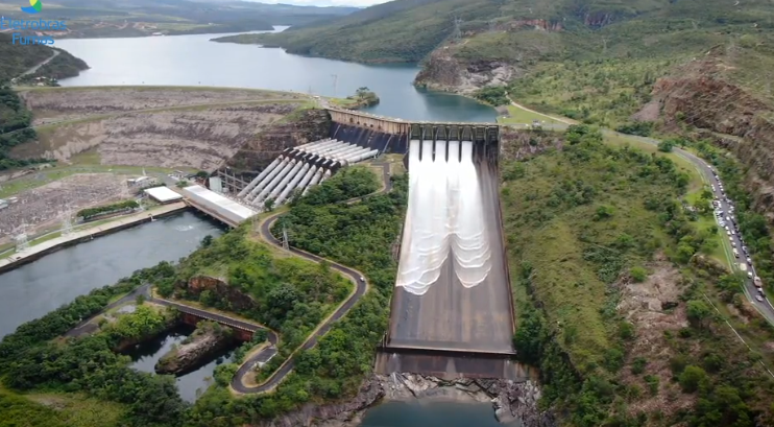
(192, 354)
(443, 72)
(512, 402)
(238, 300)
(256, 154)
(727, 115)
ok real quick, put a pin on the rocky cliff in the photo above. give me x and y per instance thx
(237, 300)
(701, 96)
(300, 128)
(444, 72)
(208, 339)
(512, 403)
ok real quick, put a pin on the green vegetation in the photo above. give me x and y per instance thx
(62, 66)
(69, 410)
(493, 95)
(15, 120)
(335, 368)
(364, 97)
(577, 221)
(90, 213)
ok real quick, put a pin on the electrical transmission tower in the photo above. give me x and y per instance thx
(457, 31)
(335, 83)
(22, 244)
(67, 225)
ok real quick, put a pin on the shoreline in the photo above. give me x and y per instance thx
(39, 251)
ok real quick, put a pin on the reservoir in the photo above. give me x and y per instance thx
(435, 414)
(193, 60)
(34, 289)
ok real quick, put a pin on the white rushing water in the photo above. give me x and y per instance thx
(445, 217)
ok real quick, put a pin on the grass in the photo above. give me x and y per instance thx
(57, 409)
(519, 115)
(573, 256)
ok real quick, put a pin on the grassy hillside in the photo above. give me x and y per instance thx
(627, 325)
(407, 30)
(142, 18)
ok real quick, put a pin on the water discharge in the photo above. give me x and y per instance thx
(445, 217)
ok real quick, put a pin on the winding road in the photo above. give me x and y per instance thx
(361, 287)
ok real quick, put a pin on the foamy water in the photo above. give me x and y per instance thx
(445, 217)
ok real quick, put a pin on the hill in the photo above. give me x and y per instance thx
(19, 63)
(126, 18)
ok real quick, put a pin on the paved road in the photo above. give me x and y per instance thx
(455, 318)
(360, 289)
(765, 307)
(85, 327)
(37, 67)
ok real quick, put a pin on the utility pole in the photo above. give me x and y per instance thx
(285, 243)
(335, 83)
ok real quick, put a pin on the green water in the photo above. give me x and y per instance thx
(414, 414)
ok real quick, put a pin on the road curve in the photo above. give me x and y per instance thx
(361, 287)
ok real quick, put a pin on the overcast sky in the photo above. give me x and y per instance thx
(359, 3)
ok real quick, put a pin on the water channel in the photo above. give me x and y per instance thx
(196, 61)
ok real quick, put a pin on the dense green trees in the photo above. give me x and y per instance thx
(107, 209)
(493, 95)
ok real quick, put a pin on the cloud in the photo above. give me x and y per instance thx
(357, 3)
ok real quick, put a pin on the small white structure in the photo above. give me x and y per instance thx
(140, 180)
(216, 184)
(218, 205)
(163, 194)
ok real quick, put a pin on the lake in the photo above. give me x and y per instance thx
(194, 60)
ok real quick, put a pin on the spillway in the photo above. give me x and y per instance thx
(452, 291)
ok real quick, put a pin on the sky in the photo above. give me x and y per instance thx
(357, 3)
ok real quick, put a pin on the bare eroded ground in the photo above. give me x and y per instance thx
(44, 206)
(199, 128)
(75, 103)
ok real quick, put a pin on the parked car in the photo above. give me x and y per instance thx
(749, 274)
(749, 261)
(759, 298)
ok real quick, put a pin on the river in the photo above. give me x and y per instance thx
(34, 289)
(194, 60)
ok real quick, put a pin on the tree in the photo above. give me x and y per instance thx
(268, 205)
(665, 146)
(362, 92)
(698, 312)
(691, 378)
(206, 241)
